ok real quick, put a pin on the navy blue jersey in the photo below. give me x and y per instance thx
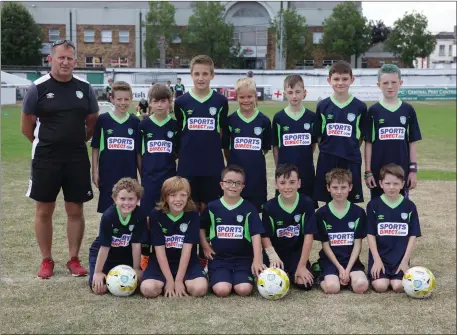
(179, 89)
(246, 139)
(230, 228)
(200, 122)
(293, 135)
(392, 225)
(391, 130)
(340, 127)
(158, 145)
(340, 230)
(172, 232)
(287, 227)
(118, 143)
(118, 234)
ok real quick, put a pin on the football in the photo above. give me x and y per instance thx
(418, 282)
(273, 284)
(122, 281)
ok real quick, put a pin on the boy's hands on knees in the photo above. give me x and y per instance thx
(180, 289)
(98, 284)
(403, 267)
(376, 269)
(370, 182)
(275, 261)
(347, 277)
(257, 267)
(169, 290)
(139, 274)
(305, 275)
(344, 278)
(208, 251)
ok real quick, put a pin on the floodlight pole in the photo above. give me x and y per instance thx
(281, 35)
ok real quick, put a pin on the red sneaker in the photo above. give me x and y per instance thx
(75, 267)
(46, 269)
(144, 262)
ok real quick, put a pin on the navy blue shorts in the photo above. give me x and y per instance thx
(205, 188)
(389, 274)
(105, 199)
(152, 189)
(290, 261)
(234, 272)
(327, 162)
(328, 268)
(152, 271)
(93, 253)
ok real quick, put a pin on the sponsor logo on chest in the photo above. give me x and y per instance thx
(160, 146)
(121, 143)
(338, 239)
(247, 143)
(392, 133)
(174, 241)
(122, 241)
(393, 229)
(229, 232)
(292, 140)
(288, 232)
(201, 123)
(339, 129)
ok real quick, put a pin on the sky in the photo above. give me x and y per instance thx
(441, 15)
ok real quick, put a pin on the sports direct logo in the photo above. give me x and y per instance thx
(230, 232)
(160, 146)
(337, 239)
(392, 133)
(289, 232)
(201, 123)
(174, 241)
(339, 129)
(247, 143)
(291, 140)
(121, 143)
(122, 241)
(392, 229)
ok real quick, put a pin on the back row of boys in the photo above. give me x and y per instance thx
(341, 122)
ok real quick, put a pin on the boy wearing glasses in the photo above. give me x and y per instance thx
(230, 230)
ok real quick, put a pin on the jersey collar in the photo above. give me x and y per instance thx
(157, 122)
(392, 205)
(295, 116)
(288, 209)
(391, 108)
(125, 221)
(244, 118)
(120, 121)
(226, 205)
(201, 100)
(175, 218)
(339, 215)
(341, 105)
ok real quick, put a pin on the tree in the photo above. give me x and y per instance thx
(346, 31)
(160, 29)
(21, 36)
(297, 40)
(379, 31)
(208, 34)
(410, 38)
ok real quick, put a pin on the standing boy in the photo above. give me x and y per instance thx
(391, 133)
(293, 141)
(339, 126)
(179, 89)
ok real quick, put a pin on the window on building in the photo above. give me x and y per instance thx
(442, 50)
(107, 36)
(261, 36)
(89, 36)
(328, 62)
(364, 64)
(317, 37)
(94, 61)
(309, 63)
(236, 37)
(124, 36)
(54, 35)
(450, 51)
(248, 12)
(184, 62)
(120, 62)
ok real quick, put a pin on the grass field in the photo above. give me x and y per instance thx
(65, 305)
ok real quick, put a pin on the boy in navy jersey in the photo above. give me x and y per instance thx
(115, 145)
(342, 227)
(340, 121)
(175, 232)
(247, 141)
(289, 224)
(202, 117)
(234, 246)
(179, 89)
(391, 133)
(392, 228)
(293, 140)
(122, 227)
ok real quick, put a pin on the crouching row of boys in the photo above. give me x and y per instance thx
(232, 235)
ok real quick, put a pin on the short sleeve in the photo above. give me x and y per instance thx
(137, 134)
(363, 119)
(371, 220)
(255, 225)
(317, 129)
(106, 231)
(275, 131)
(309, 222)
(93, 103)
(226, 136)
(322, 234)
(414, 226)
(205, 220)
(361, 231)
(157, 237)
(30, 100)
(223, 116)
(95, 143)
(313, 124)
(139, 230)
(266, 135)
(268, 223)
(193, 230)
(178, 114)
(414, 133)
(368, 133)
